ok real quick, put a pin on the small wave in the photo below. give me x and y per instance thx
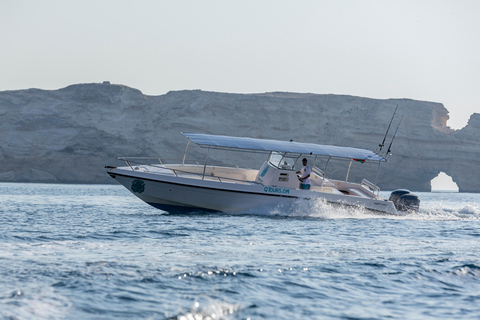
(470, 209)
(468, 269)
(35, 303)
(208, 311)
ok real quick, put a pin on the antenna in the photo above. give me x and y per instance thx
(393, 138)
(386, 133)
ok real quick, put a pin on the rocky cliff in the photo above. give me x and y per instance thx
(69, 135)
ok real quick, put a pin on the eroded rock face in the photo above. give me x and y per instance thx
(69, 135)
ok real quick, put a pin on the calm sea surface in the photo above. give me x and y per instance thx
(97, 252)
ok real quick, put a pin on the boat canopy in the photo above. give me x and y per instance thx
(267, 145)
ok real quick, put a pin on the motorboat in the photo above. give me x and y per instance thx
(182, 186)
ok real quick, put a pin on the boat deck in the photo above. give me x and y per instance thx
(247, 177)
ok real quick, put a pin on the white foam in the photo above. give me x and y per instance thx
(212, 310)
(430, 211)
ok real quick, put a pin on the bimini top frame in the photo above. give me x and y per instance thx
(267, 146)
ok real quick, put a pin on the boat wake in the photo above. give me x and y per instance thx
(324, 210)
(442, 212)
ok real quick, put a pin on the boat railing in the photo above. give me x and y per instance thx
(133, 162)
(371, 186)
(319, 171)
(325, 182)
(141, 161)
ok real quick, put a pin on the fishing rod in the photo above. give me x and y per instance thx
(393, 138)
(386, 133)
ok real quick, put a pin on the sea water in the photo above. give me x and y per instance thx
(97, 252)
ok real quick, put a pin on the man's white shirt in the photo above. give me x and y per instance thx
(305, 172)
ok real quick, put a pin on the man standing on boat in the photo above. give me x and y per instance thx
(305, 178)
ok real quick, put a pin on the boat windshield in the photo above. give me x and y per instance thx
(281, 161)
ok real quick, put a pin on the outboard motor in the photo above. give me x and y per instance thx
(404, 200)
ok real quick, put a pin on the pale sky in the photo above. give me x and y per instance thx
(424, 50)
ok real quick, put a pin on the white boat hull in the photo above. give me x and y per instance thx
(182, 194)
